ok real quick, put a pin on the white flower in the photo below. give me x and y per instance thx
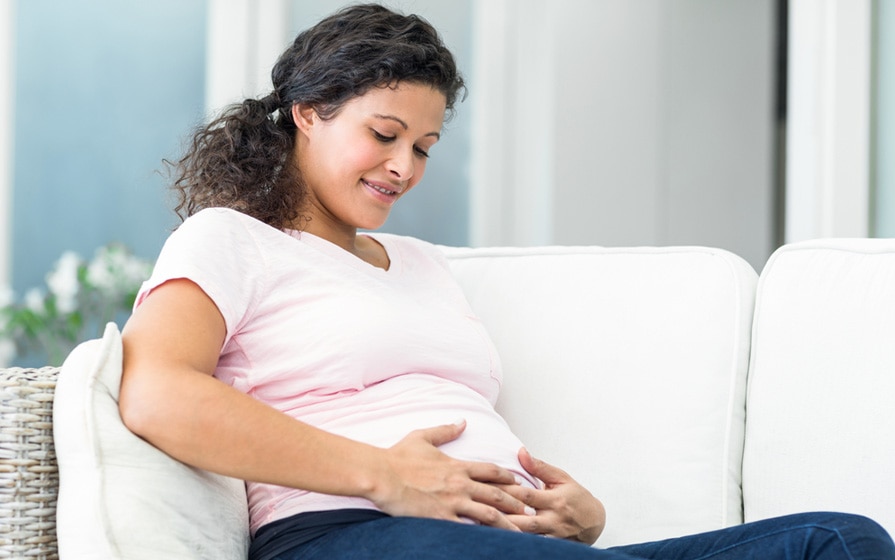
(7, 352)
(136, 270)
(63, 282)
(114, 271)
(100, 275)
(34, 300)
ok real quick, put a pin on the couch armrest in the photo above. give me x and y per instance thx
(820, 432)
(29, 476)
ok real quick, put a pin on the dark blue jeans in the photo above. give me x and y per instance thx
(819, 536)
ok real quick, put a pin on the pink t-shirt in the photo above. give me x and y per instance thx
(340, 344)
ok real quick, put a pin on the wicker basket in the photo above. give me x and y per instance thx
(29, 476)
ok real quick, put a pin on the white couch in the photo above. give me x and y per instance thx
(682, 389)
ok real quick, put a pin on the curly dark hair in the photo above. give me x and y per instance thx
(243, 158)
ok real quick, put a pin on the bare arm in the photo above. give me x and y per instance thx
(169, 397)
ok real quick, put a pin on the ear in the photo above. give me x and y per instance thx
(304, 116)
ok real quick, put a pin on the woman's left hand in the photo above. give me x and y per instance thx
(562, 509)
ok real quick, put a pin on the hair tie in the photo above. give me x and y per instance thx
(271, 103)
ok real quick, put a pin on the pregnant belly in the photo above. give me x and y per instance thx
(384, 413)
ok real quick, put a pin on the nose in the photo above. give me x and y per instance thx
(400, 165)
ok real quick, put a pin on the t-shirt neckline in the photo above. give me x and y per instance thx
(331, 249)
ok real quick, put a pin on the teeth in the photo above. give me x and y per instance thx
(380, 189)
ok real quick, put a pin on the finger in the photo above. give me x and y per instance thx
(534, 524)
(500, 500)
(490, 473)
(545, 471)
(486, 515)
(439, 435)
(536, 499)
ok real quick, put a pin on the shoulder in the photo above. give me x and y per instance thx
(225, 226)
(221, 251)
(221, 238)
(220, 219)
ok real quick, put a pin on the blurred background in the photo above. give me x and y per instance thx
(740, 124)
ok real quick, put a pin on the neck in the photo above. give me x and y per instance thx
(344, 237)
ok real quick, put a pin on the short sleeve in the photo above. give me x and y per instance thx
(215, 250)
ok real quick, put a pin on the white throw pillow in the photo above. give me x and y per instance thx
(119, 496)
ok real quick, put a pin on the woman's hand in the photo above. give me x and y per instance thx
(424, 482)
(563, 508)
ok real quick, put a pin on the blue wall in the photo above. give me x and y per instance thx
(884, 203)
(104, 91)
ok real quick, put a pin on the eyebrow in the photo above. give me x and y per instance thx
(404, 124)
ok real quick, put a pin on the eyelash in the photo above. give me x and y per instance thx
(385, 139)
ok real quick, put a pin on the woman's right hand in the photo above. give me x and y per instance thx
(424, 482)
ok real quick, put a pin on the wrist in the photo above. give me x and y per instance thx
(591, 534)
(375, 481)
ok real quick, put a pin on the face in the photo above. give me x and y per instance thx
(359, 163)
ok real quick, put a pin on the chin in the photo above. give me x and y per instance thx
(372, 224)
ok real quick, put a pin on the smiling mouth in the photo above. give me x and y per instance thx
(383, 190)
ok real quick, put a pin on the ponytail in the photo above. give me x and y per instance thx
(242, 160)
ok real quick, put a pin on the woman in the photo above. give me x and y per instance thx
(343, 376)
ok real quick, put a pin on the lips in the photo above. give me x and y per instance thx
(380, 188)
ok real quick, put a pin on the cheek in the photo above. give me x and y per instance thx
(359, 156)
(342, 155)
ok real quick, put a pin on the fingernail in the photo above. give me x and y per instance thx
(530, 510)
(519, 480)
(459, 421)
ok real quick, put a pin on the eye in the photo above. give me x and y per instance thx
(381, 137)
(421, 152)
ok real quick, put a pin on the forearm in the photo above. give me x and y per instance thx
(207, 424)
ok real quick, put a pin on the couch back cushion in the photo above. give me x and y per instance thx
(626, 368)
(821, 396)
(120, 497)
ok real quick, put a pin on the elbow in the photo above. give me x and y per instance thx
(135, 406)
(131, 418)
